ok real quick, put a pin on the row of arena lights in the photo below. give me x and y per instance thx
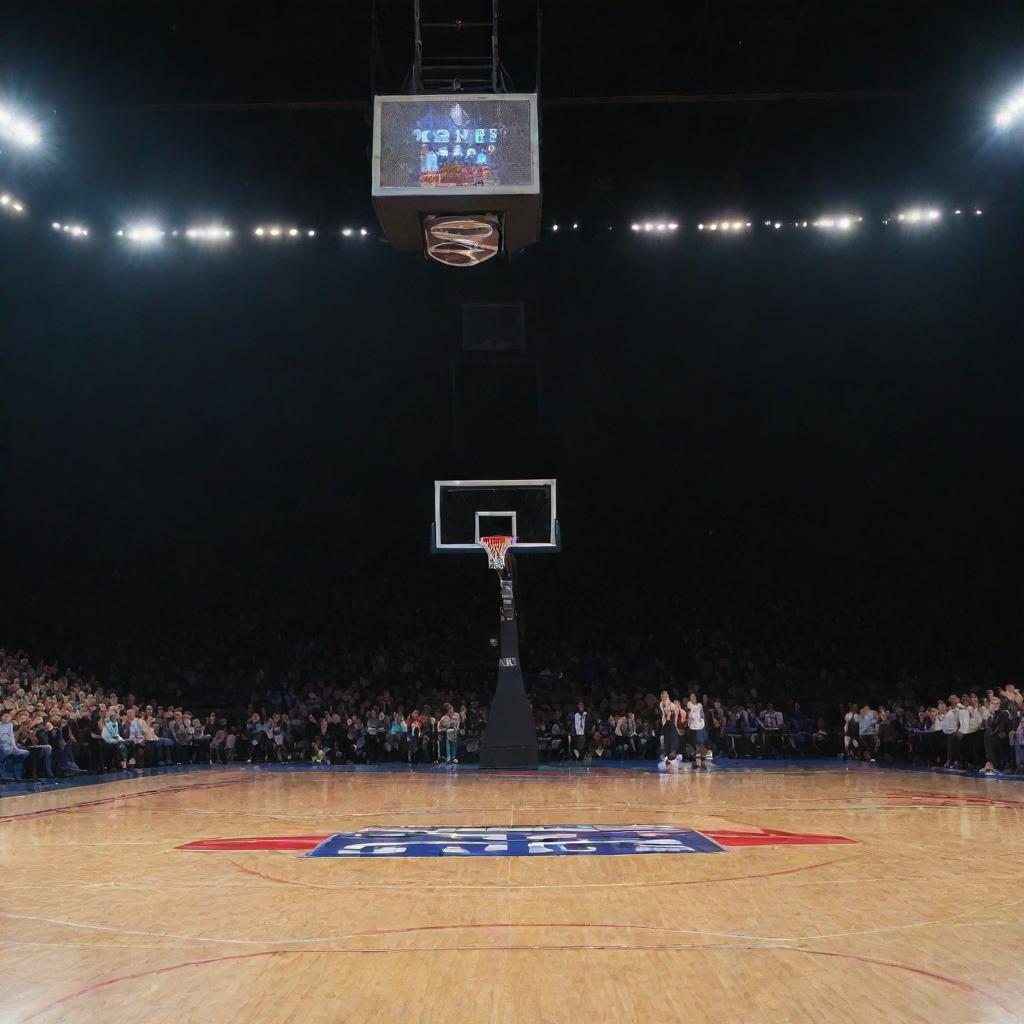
(146, 233)
(840, 222)
(150, 234)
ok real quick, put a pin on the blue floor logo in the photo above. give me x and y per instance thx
(539, 841)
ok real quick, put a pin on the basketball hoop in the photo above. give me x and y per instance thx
(496, 547)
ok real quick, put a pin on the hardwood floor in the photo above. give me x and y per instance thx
(104, 916)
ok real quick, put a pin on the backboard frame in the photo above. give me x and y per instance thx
(552, 546)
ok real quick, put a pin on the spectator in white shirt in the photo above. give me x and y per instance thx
(950, 730)
(580, 722)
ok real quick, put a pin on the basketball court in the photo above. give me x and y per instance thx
(795, 893)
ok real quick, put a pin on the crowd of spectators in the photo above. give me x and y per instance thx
(56, 722)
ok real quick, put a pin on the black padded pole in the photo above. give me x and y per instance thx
(510, 740)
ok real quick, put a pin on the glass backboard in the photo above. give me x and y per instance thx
(466, 510)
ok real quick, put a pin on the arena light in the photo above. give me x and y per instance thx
(143, 234)
(634, 227)
(1011, 111)
(208, 233)
(917, 215)
(9, 204)
(841, 222)
(363, 232)
(18, 130)
(311, 233)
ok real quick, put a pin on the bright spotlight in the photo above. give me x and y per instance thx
(554, 227)
(274, 232)
(259, 232)
(346, 232)
(700, 227)
(673, 226)
(1011, 111)
(363, 232)
(143, 234)
(634, 227)
(55, 225)
(17, 130)
(310, 233)
(777, 225)
(648, 227)
(293, 232)
(575, 226)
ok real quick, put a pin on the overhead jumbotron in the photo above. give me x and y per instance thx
(456, 157)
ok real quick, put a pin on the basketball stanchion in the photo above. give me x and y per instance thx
(500, 518)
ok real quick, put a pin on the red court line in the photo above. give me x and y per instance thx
(27, 815)
(953, 798)
(957, 983)
(502, 887)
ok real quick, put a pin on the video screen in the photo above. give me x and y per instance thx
(432, 142)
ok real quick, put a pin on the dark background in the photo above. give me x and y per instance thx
(836, 421)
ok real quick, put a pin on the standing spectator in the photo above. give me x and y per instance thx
(771, 725)
(867, 728)
(696, 730)
(580, 725)
(670, 723)
(997, 736)
(951, 734)
(452, 734)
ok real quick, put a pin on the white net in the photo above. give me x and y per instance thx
(496, 547)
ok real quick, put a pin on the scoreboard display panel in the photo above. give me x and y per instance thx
(455, 145)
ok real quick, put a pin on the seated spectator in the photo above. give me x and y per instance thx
(114, 745)
(12, 757)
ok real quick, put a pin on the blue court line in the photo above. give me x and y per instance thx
(92, 779)
(544, 773)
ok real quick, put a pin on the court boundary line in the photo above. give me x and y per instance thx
(957, 983)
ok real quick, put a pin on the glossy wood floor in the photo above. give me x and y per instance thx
(922, 919)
